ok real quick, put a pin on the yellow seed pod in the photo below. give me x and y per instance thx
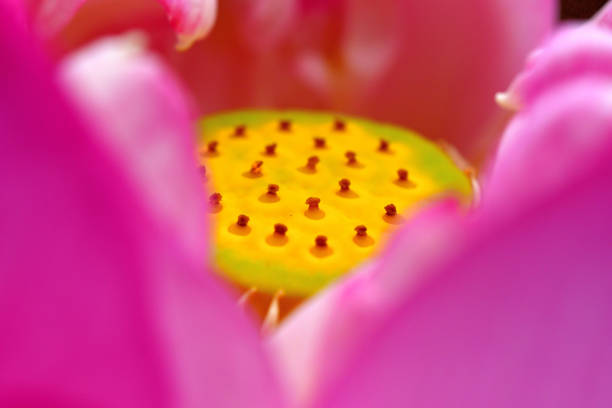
(301, 198)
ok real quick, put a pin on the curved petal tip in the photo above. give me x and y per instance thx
(507, 100)
(192, 19)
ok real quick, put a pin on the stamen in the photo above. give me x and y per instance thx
(391, 216)
(313, 203)
(321, 249)
(384, 146)
(212, 147)
(352, 158)
(361, 238)
(402, 175)
(203, 171)
(243, 220)
(215, 199)
(284, 125)
(271, 149)
(240, 131)
(279, 237)
(241, 226)
(361, 230)
(312, 163)
(339, 125)
(403, 180)
(319, 143)
(314, 212)
(321, 241)
(344, 184)
(390, 210)
(270, 196)
(345, 190)
(272, 189)
(280, 229)
(256, 168)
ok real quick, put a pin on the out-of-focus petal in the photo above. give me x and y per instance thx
(102, 305)
(17, 12)
(151, 128)
(574, 52)
(313, 344)
(604, 17)
(521, 317)
(430, 65)
(265, 23)
(51, 15)
(550, 141)
(444, 63)
(192, 19)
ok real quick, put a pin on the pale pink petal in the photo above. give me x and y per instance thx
(192, 20)
(102, 304)
(604, 17)
(151, 130)
(51, 15)
(522, 317)
(314, 343)
(574, 52)
(546, 144)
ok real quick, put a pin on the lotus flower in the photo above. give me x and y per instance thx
(107, 305)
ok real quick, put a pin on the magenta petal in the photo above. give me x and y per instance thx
(102, 306)
(523, 318)
(146, 121)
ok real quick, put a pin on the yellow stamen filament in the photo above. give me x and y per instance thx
(246, 296)
(272, 317)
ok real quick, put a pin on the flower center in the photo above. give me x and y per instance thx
(299, 199)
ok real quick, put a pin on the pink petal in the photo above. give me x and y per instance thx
(522, 318)
(548, 143)
(264, 23)
(444, 62)
(192, 20)
(317, 341)
(102, 304)
(430, 65)
(573, 52)
(604, 17)
(17, 12)
(51, 15)
(151, 131)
